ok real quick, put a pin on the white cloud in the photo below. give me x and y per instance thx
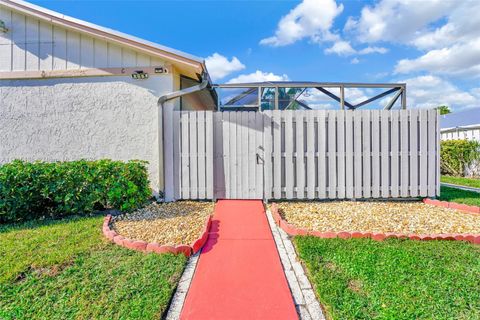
(445, 32)
(310, 19)
(317, 100)
(369, 50)
(431, 91)
(462, 26)
(355, 95)
(459, 59)
(219, 66)
(354, 61)
(343, 48)
(397, 20)
(258, 76)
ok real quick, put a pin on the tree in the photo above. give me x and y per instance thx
(444, 109)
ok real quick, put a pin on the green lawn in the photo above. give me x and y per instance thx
(394, 279)
(460, 196)
(65, 269)
(461, 181)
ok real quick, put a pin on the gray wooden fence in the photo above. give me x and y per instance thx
(302, 154)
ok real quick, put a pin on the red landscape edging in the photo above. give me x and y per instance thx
(452, 205)
(144, 246)
(294, 231)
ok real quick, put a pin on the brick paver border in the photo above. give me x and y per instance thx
(144, 246)
(294, 231)
(452, 205)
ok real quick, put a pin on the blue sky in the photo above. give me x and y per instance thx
(428, 44)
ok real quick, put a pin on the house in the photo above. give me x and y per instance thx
(461, 125)
(70, 89)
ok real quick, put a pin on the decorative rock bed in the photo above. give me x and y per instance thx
(379, 220)
(177, 227)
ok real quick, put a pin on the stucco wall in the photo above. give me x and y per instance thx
(91, 118)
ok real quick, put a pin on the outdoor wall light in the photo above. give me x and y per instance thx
(161, 70)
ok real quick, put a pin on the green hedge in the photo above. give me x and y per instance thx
(456, 155)
(54, 189)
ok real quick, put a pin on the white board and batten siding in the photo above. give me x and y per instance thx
(35, 45)
(304, 155)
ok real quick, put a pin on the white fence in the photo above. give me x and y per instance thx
(302, 154)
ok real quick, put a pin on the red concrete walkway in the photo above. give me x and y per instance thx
(239, 274)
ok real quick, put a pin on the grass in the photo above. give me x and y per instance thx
(65, 269)
(461, 181)
(460, 196)
(394, 279)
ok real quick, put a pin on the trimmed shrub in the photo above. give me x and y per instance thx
(30, 190)
(456, 155)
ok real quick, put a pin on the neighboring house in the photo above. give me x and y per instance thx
(461, 125)
(71, 89)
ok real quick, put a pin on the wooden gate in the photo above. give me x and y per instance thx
(313, 154)
(238, 155)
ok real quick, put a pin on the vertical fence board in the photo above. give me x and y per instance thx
(193, 155)
(168, 154)
(376, 133)
(321, 172)
(289, 165)
(185, 172)
(341, 154)
(366, 156)
(240, 153)
(252, 155)
(310, 154)
(227, 152)
(394, 164)
(332, 154)
(177, 159)
(260, 150)
(423, 153)
(349, 163)
(413, 152)
(300, 154)
(243, 154)
(218, 169)
(432, 159)
(358, 184)
(404, 155)
(277, 154)
(209, 136)
(201, 154)
(268, 155)
(385, 152)
(234, 175)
